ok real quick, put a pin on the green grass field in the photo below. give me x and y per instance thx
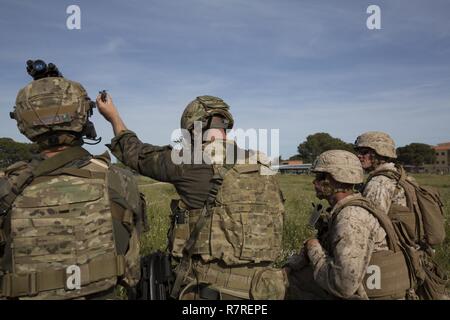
(299, 195)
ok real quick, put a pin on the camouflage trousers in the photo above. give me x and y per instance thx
(216, 281)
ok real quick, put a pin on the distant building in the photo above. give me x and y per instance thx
(415, 169)
(290, 162)
(442, 163)
(293, 168)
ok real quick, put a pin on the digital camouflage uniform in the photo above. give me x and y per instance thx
(383, 191)
(416, 212)
(242, 237)
(69, 211)
(340, 266)
(336, 267)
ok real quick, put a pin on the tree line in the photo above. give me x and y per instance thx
(416, 154)
(12, 151)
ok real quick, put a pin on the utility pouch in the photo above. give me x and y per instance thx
(179, 230)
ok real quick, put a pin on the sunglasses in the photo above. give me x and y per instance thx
(363, 152)
(320, 176)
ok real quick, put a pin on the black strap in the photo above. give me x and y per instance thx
(188, 249)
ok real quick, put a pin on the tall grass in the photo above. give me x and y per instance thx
(299, 194)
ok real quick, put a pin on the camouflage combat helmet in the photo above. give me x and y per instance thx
(343, 166)
(202, 109)
(52, 104)
(380, 142)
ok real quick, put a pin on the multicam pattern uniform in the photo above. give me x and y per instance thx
(56, 103)
(245, 228)
(49, 236)
(383, 191)
(339, 265)
(65, 220)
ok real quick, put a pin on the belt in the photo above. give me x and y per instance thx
(30, 284)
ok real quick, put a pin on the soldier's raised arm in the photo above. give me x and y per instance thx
(149, 160)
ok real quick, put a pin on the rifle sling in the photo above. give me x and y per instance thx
(188, 249)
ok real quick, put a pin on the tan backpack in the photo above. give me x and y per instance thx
(419, 226)
(428, 225)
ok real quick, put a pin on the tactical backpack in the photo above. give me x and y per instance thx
(419, 226)
(67, 239)
(425, 204)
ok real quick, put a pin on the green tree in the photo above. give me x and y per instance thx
(12, 151)
(416, 154)
(320, 142)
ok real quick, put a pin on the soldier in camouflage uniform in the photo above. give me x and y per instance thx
(376, 151)
(352, 239)
(417, 212)
(69, 221)
(230, 214)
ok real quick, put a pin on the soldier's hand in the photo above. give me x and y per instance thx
(296, 261)
(311, 243)
(110, 113)
(107, 108)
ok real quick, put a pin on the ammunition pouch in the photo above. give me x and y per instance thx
(31, 284)
(394, 279)
(179, 229)
(156, 277)
(435, 280)
(253, 281)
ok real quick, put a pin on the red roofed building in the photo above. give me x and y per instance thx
(291, 162)
(442, 163)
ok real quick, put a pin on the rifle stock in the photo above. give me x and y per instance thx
(156, 277)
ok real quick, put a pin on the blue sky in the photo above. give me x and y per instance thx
(299, 66)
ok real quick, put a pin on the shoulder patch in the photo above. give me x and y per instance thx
(100, 163)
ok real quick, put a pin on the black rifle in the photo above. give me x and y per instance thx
(319, 220)
(156, 277)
